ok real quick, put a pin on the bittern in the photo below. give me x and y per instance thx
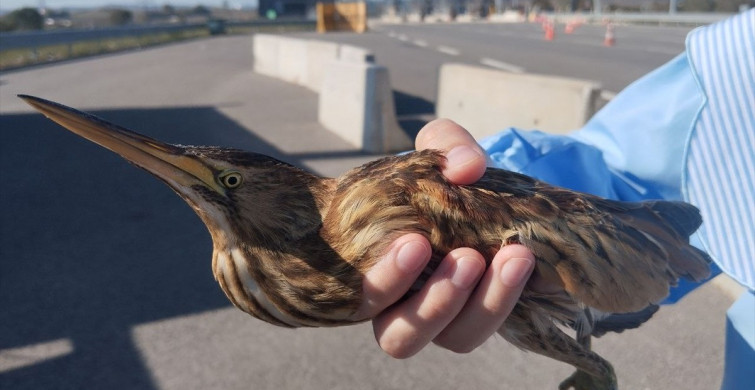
(291, 248)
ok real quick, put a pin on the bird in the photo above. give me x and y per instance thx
(291, 248)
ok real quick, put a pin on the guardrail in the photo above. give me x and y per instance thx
(680, 18)
(36, 39)
(687, 19)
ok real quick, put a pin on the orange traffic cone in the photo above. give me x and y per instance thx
(550, 32)
(609, 39)
(569, 28)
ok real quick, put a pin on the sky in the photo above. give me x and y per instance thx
(13, 4)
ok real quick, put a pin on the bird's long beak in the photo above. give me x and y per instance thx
(166, 161)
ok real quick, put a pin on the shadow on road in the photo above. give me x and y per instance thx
(412, 112)
(91, 247)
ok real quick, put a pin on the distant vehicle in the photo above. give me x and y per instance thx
(216, 26)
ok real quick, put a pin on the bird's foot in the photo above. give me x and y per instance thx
(581, 380)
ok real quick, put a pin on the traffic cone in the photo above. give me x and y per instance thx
(609, 39)
(550, 32)
(569, 28)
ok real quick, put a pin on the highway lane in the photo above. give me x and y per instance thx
(580, 54)
(414, 52)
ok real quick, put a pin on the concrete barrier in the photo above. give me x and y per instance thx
(508, 17)
(486, 101)
(297, 61)
(355, 95)
(356, 102)
(355, 54)
(292, 60)
(265, 54)
(319, 55)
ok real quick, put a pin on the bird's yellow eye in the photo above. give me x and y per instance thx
(231, 179)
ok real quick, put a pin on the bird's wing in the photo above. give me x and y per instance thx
(614, 256)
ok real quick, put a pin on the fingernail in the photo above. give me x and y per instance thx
(516, 271)
(411, 256)
(466, 273)
(461, 155)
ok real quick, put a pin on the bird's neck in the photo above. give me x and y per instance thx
(302, 286)
(237, 272)
(275, 265)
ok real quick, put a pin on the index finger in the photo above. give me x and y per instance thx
(393, 275)
(466, 161)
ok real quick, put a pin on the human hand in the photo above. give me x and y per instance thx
(462, 294)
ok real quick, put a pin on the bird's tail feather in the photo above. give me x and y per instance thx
(684, 218)
(619, 322)
(669, 224)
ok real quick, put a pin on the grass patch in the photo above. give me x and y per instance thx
(19, 58)
(273, 28)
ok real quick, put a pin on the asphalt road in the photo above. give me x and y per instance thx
(105, 277)
(413, 53)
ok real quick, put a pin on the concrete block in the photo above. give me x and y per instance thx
(319, 55)
(507, 17)
(355, 95)
(356, 103)
(292, 60)
(466, 18)
(486, 101)
(355, 54)
(265, 51)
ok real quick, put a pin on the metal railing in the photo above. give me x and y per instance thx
(687, 19)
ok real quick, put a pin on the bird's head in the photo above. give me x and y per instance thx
(239, 195)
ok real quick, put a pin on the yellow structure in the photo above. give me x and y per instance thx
(342, 17)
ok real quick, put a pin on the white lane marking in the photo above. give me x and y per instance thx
(420, 43)
(607, 95)
(29, 355)
(501, 65)
(448, 50)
